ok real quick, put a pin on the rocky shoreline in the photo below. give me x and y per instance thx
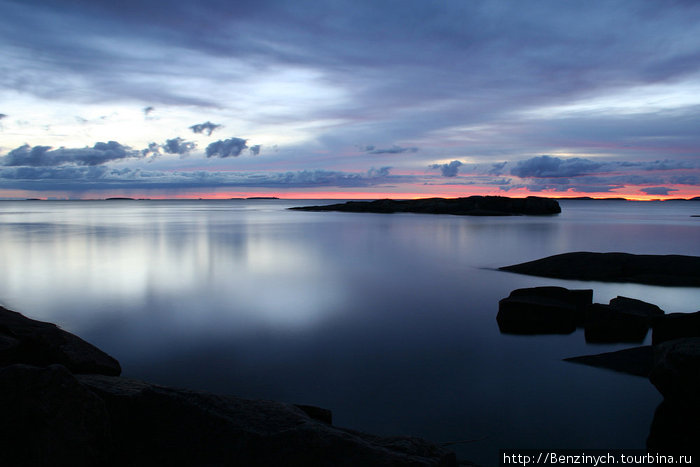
(469, 206)
(671, 362)
(63, 403)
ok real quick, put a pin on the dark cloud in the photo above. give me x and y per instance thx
(231, 147)
(104, 178)
(148, 110)
(497, 168)
(255, 149)
(178, 146)
(207, 127)
(45, 156)
(658, 190)
(153, 149)
(391, 150)
(687, 179)
(3, 116)
(553, 167)
(448, 170)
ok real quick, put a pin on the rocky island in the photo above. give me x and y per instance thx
(470, 206)
(63, 403)
(668, 270)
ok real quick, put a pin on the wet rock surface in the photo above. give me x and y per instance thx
(469, 206)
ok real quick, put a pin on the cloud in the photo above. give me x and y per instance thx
(391, 150)
(554, 167)
(658, 190)
(178, 146)
(207, 127)
(448, 170)
(3, 116)
(255, 150)
(226, 148)
(45, 156)
(105, 178)
(497, 168)
(148, 110)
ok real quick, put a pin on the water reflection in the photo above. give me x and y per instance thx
(388, 320)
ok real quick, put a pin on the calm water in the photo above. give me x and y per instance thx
(388, 320)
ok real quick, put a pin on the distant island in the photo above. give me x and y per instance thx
(262, 197)
(668, 270)
(470, 206)
(119, 198)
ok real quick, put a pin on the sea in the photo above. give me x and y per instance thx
(388, 320)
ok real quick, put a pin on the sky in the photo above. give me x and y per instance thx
(349, 99)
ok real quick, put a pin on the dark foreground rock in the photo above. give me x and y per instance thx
(54, 417)
(676, 371)
(676, 374)
(24, 340)
(669, 270)
(471, 206)
(542, 310)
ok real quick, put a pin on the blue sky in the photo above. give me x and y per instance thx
(349, 98)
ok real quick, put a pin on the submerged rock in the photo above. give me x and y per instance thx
(24, 340)
(542, 310)
(675, 326)
(470, 206)
(670, 270)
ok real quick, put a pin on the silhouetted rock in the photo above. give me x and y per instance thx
(24, 340)
(471, 206)
(675, 270)
(623, 320)
(49, 419)
(674, 429)
(676, 371)
(542, 310)
(675, 326)
(155, 425)
(637, 307)
(636, 361)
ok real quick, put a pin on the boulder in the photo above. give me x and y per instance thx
(50, 419)
(676, 371)
(24, 340)
(542, 310)
(155, 425)
(669, 270)
(675, 326)
(606, 323)
(637, 307)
